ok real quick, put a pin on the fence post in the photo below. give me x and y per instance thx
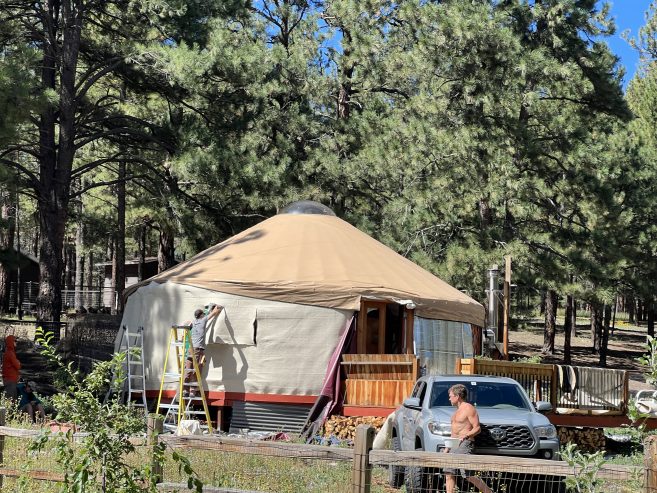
(361, 477)
(3, 416)
(154, 427)
(650, 464)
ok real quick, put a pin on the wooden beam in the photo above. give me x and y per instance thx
(177, 487)
(494, 463)
(361, 475)
(257, 447)
(57, 477)
(410, 320)
(382, 329)
(650, 464)
(361, 329)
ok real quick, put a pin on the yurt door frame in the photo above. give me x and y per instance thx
(365, 331)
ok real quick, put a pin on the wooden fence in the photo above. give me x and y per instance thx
(378, 379)
(362, 460)
(598, 389)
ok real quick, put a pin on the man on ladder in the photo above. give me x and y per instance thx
(197, 349)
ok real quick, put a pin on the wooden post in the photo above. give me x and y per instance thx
(361, 477)
(3, 414)
(409, 331)
(507, 306)
(650, 464)
(553, 387)
(154, 427)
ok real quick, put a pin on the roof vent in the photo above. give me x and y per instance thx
(307, 207)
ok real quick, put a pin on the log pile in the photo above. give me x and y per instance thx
(344, 427)
(586, 439)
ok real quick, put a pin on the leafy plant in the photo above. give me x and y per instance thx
(649, 360)
(535, 359)
(586, 481)
(98, 462)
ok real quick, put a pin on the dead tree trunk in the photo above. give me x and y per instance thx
(551, 301)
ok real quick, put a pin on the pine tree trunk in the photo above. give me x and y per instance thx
(142, 252)
(639, 311)
(573, 332)
(568, 330)
(651, 318)
(166, 251)
(604, 336)
(596, 327)
(57, 125)
(36, 242)
(607, 315)
(69, 268)
(49, 300)
(631, 306)
(79, 266)
(119, 253)
(90, 282)
(346, 73)
(551, 301)
(7, 213)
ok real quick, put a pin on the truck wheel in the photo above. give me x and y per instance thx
(396, 473)
(420, 479)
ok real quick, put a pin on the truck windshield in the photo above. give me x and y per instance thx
(497, 395)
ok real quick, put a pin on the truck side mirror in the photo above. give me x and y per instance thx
(412, 402)
(543, 406)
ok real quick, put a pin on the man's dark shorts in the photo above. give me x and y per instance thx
(466, 447)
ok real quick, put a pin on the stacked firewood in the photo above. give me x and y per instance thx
(344, 427)
(586, 439)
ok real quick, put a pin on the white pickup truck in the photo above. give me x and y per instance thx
(510, 424)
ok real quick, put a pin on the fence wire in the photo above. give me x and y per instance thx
(234, 464)
(274, 467)
(473, 473)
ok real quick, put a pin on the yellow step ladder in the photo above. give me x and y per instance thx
(184, 403)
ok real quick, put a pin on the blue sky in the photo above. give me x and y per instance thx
(629, 14)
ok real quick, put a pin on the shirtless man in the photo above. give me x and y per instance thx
(465, 425)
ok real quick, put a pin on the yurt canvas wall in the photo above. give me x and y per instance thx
(254, 346)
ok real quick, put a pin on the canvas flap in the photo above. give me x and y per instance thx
(233, 326)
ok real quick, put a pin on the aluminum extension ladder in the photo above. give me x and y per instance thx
(189, 395)
(134, 386)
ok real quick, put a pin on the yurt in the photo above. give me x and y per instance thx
(310, 303)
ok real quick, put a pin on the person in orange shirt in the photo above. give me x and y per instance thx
(10, 368)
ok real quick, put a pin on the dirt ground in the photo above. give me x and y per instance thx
(625, 345)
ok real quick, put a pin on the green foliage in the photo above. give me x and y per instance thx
(649, 360)
(98, 462)
(454, 132)
(586, 480)
(536, 359)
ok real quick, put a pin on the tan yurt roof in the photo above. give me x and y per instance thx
(320, 260)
